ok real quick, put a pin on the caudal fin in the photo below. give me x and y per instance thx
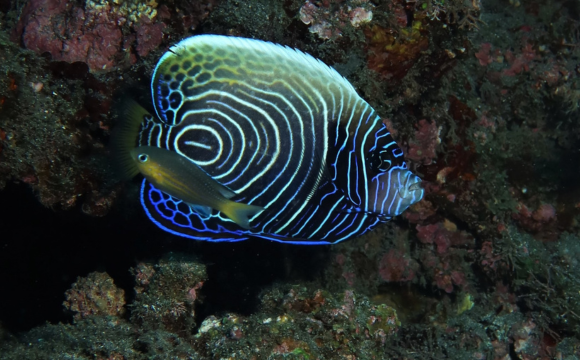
(124, 137)
(241, 213)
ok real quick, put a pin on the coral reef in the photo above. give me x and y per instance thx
(166, 293)
(422, 148)
(95, 295)
(396, 266)
(55, 110)
(327, 19)
(301, 323)
(299, 320)
(483, 98)
(50, 131)
(294, 321)
(92, 34)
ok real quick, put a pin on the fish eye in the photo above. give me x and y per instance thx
(143, 158)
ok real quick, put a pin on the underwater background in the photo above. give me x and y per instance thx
(482, 97)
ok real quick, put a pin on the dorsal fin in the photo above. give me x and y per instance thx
(124, 136)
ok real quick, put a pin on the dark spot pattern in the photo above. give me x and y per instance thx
(203, 78)
(232, 62)
(211, 66)
(193, 72)
(164, 90)
(175, 100)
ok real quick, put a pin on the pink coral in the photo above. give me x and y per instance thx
(192, 293)
(518, 62)
(445, 279)
(40, 34)
(483, 55)
(71, 32)
(544, 214)
(422, 148)
(143, 273)
(538, 220)
(149, 35)
(521, 62)
(490, 259)
(435, 234)
(396, 266)
(442, 258)
(443, 235)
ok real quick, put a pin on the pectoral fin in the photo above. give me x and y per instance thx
(201, 209)
(227, 193)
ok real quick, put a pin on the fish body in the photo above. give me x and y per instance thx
(280, 130)
(181, 179)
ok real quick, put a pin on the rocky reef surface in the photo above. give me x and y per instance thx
(483, 97)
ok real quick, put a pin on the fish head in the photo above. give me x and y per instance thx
(392, 192)
(141, 157)
(148, 162)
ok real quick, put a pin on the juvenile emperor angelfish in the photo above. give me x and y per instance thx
(256, 139)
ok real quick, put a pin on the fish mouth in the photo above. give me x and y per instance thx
(412, 188)
(416, 186)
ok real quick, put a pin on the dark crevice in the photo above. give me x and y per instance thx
(43, 251)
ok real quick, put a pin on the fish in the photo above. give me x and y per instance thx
(178, 177)
(253, 139)
(172, 173)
